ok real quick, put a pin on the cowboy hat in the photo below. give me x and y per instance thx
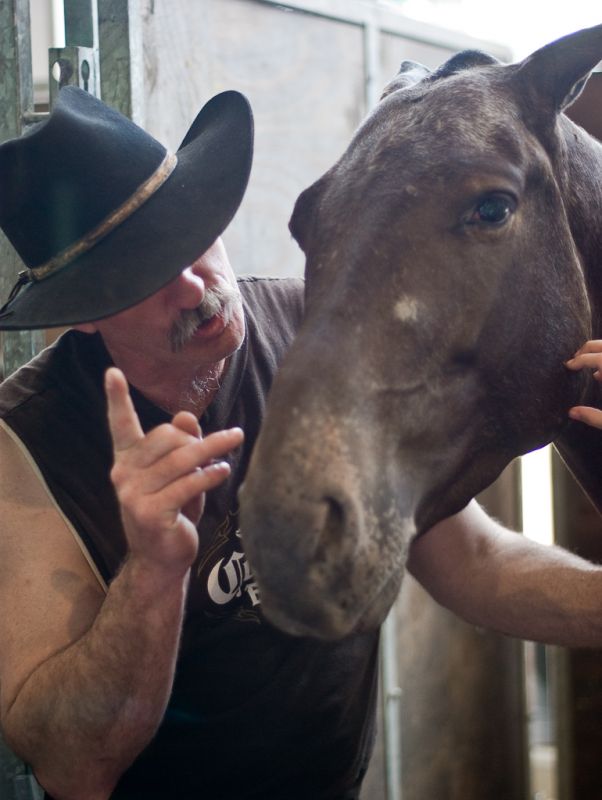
(103, 216)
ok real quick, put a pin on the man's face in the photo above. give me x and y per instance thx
(197, 318)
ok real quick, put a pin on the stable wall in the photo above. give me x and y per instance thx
(310, 77)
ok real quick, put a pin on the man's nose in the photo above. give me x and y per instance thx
(188, 289)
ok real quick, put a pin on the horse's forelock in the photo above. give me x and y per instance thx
(467, 59)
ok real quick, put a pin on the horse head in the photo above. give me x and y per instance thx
(449, 274)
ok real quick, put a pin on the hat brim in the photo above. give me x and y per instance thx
(181, 220)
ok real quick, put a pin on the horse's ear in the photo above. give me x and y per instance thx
(410, 73)
(557, 72)
(303, 212)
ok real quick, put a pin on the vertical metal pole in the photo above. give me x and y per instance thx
(372, 60)
(16, 109)
(76, 63)
(81, 23)
(391, 696)
(121, 59)
(391, 692)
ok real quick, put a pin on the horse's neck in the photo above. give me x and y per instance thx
(584, 207)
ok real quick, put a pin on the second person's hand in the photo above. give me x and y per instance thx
(589, 356)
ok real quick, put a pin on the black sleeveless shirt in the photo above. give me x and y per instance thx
(254, 714)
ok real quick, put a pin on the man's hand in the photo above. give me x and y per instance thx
(590, 355)
(160, 478)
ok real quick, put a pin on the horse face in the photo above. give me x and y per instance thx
(443, 293)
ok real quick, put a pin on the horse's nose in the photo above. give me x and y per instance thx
(333, 523)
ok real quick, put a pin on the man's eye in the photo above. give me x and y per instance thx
(495, 209)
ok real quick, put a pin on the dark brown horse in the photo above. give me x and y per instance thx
(454, 262)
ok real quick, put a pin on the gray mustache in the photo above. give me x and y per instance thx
(216, 300)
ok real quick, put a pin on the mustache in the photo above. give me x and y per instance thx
(218, 299)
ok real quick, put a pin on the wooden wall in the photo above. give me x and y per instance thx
(462, 710)
(306, 76)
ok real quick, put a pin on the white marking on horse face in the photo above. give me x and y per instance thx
(406, 309)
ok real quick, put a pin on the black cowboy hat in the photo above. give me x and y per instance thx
(103, 216)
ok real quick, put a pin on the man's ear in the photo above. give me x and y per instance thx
(85, 327)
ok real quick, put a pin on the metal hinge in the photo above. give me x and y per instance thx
(26, 787)
(73, 66)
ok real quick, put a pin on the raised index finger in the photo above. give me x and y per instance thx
(123, 421)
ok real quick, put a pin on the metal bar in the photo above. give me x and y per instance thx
(27, 788)
(360, 12)
(121, 58)
(372, 77)
(33, 117)
(76, 63)
(81, 26)
(76, 66)
(391, 697)
(16, 83)
(16, 104)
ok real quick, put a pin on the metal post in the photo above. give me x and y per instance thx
(16, 111)
(77, 63)
(81, 23)
(372, 78)
(391, 696)
(121, 61)
(391, 692)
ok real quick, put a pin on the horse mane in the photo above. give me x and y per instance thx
(467, 59)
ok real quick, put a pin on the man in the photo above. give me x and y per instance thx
(134, 660)
(100, 599)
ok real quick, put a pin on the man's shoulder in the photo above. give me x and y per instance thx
(29, 380)
(273, 302)
(58, 366)
(283, 287)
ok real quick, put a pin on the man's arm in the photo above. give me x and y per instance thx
(85, 677)
(495, 578)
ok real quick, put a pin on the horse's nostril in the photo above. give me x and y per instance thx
(334, 523)
(333, 527)
(463, 359)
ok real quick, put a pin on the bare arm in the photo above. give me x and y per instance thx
(86, 677)
(495, 578)
(84, 713)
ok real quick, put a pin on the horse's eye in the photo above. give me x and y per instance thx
(494, 209)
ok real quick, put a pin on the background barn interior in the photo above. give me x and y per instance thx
(465, 714)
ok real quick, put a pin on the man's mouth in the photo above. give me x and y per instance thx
(209, 327)
(209, 318)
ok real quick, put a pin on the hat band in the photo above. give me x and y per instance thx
(108, 224)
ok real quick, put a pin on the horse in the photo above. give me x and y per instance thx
(453, 264)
